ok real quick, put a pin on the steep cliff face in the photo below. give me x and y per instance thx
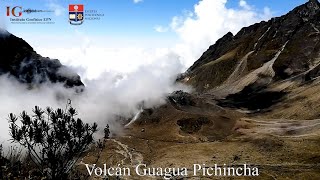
(281, 48)
(19, 60)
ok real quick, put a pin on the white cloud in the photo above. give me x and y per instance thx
(244, 4)
(118, 78)
(176, 22)
(160, 29)
(104, 98)
(97, 60)
(208, 22)
(56, 7)
(267, 13)
(137, 1)
(196, 31)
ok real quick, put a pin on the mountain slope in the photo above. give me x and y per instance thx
(19, 60)
(255, 101)
(235, 60)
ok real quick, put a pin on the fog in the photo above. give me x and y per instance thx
(103, 100)
(134, 75)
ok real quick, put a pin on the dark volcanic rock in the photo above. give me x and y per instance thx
(256, 99)
(181, 98)
(191, 125)
(18, 59)
(299, 30)
(214, 51)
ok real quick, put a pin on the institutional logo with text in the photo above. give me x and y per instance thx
(16, 15)
(76, 14)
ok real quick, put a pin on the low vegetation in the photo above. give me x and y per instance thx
(54, 141)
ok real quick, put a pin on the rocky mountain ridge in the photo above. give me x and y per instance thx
(19, 60)
(256, 101)
(266, 52)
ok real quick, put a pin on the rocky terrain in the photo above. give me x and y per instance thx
(256, 101)
(20, 61)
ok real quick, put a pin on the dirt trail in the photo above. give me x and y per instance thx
(133, 156)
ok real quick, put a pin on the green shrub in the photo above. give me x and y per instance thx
(54, 139)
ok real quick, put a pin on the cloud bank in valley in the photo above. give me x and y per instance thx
(103, 100)
(118, 79)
